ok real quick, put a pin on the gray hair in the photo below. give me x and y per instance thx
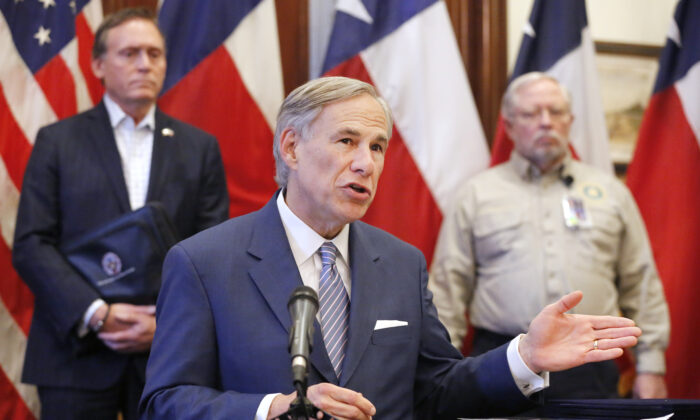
(510, 98)
(305, 103)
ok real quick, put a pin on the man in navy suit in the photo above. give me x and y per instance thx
(88, 356)
(220, 350)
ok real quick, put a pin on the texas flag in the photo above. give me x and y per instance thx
(408, 51)
(664, 177)
(45, 75)
(557, 41)
(225, 77)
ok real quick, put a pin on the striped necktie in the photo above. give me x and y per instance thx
(334, 307)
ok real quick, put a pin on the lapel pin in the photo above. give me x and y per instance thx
(167, 132)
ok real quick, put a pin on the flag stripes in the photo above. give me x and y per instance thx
(41, 80)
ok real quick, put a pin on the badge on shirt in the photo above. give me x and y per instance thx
(575, 214)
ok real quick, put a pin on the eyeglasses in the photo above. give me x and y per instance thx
(536, 115)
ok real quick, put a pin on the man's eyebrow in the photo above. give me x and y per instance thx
(348, 130)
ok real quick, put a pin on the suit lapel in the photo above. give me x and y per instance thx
(101, 132)
(276, 276)
(162, 156)
(364, 302)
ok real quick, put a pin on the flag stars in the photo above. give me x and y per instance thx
(47, 3)
(356, 9)
(674, 34)
(529, 30)
(73, 6)
(43, 35)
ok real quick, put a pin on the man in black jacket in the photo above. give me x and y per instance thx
(88, 356)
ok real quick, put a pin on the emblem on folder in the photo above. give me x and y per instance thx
(111, 264)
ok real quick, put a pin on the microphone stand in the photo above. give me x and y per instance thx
(302, 305)
(301, 407)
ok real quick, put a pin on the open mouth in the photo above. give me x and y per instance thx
(359, 188)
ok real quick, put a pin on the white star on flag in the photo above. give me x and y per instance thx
(43, 35)
(529, 30)
(47, 3)
(356, 9)
(674, 34)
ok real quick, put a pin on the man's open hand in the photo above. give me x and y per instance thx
(557, 341)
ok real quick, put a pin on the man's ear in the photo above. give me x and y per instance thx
(97, 67)
(508, 125)
(289, 140)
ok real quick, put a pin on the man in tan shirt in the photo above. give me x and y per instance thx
(529, 231)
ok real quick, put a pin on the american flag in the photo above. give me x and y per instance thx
(45, 75)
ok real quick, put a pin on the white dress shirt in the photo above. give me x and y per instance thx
(135, 144)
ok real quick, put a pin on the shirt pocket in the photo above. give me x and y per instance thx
(497, 234)
(602, 240)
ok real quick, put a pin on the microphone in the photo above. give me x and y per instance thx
(302, 305)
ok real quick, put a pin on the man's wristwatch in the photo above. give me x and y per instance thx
(101, 322)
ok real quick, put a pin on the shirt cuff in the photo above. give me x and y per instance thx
(651, 361)
(84, 327)
(527, 381)
(264, 407)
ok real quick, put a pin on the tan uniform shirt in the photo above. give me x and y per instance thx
(506, 252)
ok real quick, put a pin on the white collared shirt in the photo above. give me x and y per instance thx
(305, 243)
(135, 145)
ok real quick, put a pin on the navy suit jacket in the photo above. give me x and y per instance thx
(223, 329)
(74, 183)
